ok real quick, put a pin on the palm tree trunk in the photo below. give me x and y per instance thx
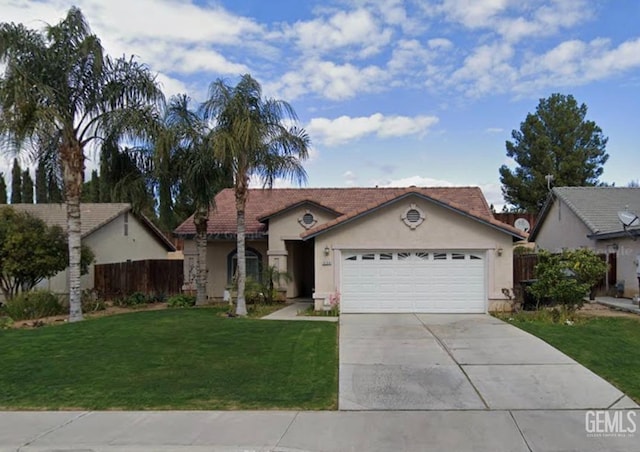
(241, 199)
(73, 167)
(200, 220)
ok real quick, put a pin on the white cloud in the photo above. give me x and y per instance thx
(357, 29)
(577, 62)
(494, 130)
(515, 20)
(350, 178)
(328, 79)
(343, 129)
(487, 69)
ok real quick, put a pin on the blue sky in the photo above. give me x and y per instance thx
(393, 92)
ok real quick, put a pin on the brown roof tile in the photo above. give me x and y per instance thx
(348, 202)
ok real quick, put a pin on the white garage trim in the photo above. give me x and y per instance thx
(430, 281)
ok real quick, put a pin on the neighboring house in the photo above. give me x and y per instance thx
(382, 249)
(112, 231)
(587, 217)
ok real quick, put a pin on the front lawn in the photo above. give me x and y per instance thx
(171, 359)
(609, 346)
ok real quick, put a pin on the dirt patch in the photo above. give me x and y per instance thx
(110, 310)
(599, 310)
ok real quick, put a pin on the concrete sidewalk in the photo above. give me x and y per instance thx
(190, 431)
(290, 312)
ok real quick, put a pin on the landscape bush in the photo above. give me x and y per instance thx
(566, 278)
(181, 301)
(33, 305)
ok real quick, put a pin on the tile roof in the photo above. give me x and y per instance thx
(347, 202)
(93, 217)
(597, 207)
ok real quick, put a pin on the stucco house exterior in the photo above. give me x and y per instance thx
(587, 217)
(112, 231)
(381, 249)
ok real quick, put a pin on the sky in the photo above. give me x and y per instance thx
(391, 92)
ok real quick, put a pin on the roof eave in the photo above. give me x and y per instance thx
(295, 205)
(427, 198)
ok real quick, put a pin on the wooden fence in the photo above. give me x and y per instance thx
(524, 267)
(153, 277)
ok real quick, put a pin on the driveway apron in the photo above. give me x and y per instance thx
(458, 362)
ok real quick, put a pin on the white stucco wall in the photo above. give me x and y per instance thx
(109, 245)
(442, 229)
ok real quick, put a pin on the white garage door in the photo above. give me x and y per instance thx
(413, 281)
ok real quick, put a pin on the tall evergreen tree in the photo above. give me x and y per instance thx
(95, 186)
(27, 187)
(16, 183)
(557, 140)
(41, 183)
(3, 189)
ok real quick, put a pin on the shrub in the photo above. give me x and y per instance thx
(91, 301)
(135, 299)
(558, 281)
(181, 301)
(33, 305)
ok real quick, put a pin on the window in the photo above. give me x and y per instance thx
(352, 258)
(422, 256)
(457, 256)
(368, 257)
(254, 265)
(403, 256)
(386, 256)
(439, 256)
(472, 257)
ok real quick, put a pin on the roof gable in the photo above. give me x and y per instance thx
(264, 203)
(93, 216)
(453, 206)
(596, 207)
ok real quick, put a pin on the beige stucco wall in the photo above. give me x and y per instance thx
(110, 245)
(562, 229)
(627, 252)
(442, 229)
(217, 252)
(284, 230)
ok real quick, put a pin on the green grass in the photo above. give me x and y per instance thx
(609, 346)
(170, 359)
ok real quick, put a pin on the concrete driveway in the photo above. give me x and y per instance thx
(459, 362)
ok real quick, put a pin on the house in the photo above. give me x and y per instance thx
(113, 232)
(381, 249)
(587, 217)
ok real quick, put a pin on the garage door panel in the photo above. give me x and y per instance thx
(413, 281)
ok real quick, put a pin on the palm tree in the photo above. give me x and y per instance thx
(252, 138)
(59, 90)
(200, 174)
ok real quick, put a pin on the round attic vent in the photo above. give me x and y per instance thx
(413, 216)
(308, 219)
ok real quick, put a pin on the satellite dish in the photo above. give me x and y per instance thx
(522, 224)
(628, 219)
